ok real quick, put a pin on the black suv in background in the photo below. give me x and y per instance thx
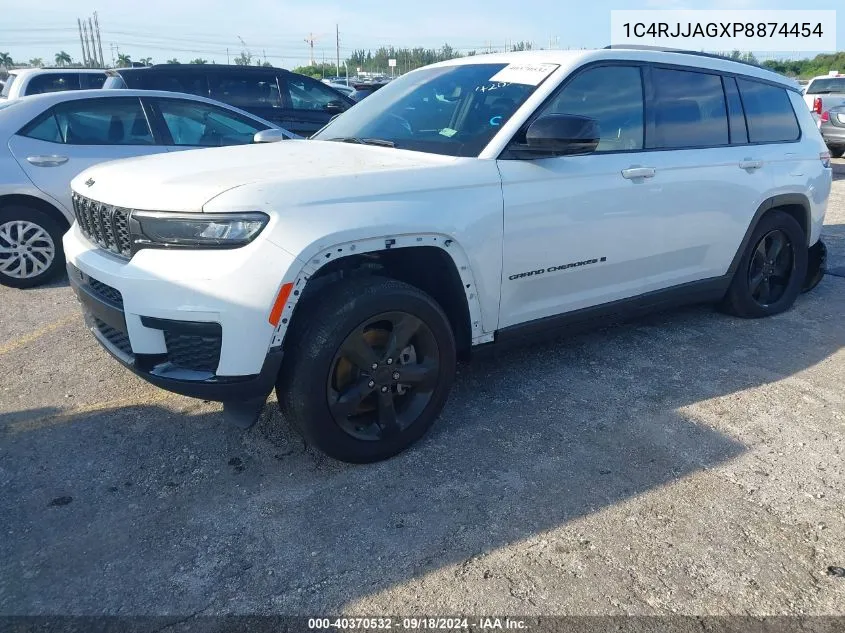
(295, 102)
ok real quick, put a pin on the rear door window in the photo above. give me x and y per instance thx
(52, 82)
(44, 128)
(191, 123)
(769, 112)
(92, 81)
(247, 90)
(689, 110)
(102, 122)
(307, 94)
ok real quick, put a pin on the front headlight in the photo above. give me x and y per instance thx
(159, 229)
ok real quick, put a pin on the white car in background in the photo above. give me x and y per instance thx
(48, 139)
(24, 82)
(824, 93)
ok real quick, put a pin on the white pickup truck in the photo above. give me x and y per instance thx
(825, 92)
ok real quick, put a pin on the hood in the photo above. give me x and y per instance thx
(186, 180)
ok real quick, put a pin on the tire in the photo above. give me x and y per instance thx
(784, 277)
(36, 230)
(339, 405)
(836, 152)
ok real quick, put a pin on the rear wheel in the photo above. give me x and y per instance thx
(367, 369)
(30, 247)
(772, 269)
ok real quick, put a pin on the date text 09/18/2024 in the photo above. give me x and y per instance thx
(417, 623)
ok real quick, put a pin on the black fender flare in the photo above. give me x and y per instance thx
(780, 200)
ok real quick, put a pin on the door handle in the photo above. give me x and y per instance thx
(750, 164)
(638, 172)
(52, 160)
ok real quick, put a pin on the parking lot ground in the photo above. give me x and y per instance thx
(688, 462)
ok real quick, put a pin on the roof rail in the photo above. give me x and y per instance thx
(663, 49)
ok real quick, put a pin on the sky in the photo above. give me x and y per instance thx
(186, 29)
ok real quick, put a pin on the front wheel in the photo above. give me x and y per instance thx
(367, 369)
(836, 152)
(772, 269)
(30, 247)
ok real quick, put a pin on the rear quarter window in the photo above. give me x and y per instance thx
(768, 112)
(52, 82)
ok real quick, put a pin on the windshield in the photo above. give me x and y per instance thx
(7, 87)
(826, 86)
(449, 110)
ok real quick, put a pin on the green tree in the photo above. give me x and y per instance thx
(173, 61)
(198, 60)
(806, 68)
(522, 46)
(123, 60)
(63, 59)
(244, 59)
(147, 61)
(36, 62)
(6, 60)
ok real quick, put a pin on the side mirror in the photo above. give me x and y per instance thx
(562, 135)
(335, 107)
(271, 135)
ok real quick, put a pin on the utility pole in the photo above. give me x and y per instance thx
(99, 41)
(310, 40)
(227, 55)
(81, 41)
(87, 60)
(94, 60)
(114, 47)
(337, 49)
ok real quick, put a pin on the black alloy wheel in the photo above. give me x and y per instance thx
(770, 269)
(383, 376)
(368, 365)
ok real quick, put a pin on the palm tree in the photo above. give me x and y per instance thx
(147, 61)
(63, 59)
(5, 60)
(199, 60)
(173, 61)
(36, 62)
(123, 60)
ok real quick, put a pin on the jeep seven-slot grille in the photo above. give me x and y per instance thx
(103, 224)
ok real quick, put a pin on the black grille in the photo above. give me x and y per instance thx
(193, 351)
(119, 339)
(106, 292)
(104, 224)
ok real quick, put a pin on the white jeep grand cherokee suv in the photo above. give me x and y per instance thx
(474, 201)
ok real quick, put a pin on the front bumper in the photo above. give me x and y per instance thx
(192, 322)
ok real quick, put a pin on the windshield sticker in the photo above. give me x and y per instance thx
(528, 74)
(449, 132)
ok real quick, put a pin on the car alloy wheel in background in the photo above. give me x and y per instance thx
(26, 249)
